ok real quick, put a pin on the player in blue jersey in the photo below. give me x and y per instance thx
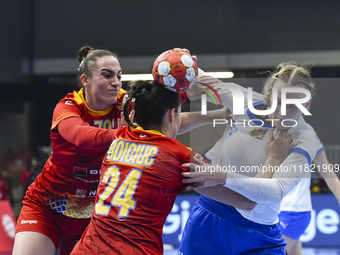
(217, 228)
(296, 206)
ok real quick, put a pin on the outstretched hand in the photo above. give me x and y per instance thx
(199, 86)
(203, 175)
(186, 51)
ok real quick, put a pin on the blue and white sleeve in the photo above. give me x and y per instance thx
(261, 190)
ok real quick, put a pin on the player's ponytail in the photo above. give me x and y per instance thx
(82, 53)
(151, 102)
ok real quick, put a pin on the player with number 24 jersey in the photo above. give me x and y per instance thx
(140, 179)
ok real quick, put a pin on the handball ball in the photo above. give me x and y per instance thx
(175, 70)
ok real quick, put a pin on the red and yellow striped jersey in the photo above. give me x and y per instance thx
(70, 177)
(140, 179)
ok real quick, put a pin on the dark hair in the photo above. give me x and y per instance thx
(87, 58)
(151, 102)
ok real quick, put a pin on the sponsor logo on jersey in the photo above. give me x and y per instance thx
(233, 129)
(81, 193)
(92, 193)
(28, 222)
(283, 225)
(95, 171)
(69, 102)
(194, 155)
(258, 133)
(80, 171)
(81, 179)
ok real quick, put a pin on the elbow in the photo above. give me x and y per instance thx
(250, 206)
(244, 203)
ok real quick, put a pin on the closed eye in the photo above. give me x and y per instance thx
(106, 74)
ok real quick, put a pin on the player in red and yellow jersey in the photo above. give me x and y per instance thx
(72, 172)
(58, 205)
(140, 178)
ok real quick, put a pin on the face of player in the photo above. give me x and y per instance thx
(292, 111)
(176, 123)
(102, 88)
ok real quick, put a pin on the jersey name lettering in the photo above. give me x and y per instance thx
(132, 153)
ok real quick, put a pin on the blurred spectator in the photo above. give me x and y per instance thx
(35, 169)
(8, 156)
(17, 164)
(4, 186)
(31, 165)
(44, 152)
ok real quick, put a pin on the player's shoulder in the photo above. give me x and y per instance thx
(176, 145)
(122, 95)
(309, 126)
(306, 138)
(71, 105)
(175, 148)
(72, 102)
(320, 145)
(73, 98)
(305, 131)
(156, 137)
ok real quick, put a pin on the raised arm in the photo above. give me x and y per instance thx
(77, 132)
(192, 120)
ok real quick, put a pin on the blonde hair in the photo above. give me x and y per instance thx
(289, 73)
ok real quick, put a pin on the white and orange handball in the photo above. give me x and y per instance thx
(175, 70)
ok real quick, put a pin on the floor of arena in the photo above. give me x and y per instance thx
(306, 251)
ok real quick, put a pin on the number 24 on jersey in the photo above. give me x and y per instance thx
(123, 197)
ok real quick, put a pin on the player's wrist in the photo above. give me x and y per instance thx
(186, 95)
(274, 160)
(183, 97)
